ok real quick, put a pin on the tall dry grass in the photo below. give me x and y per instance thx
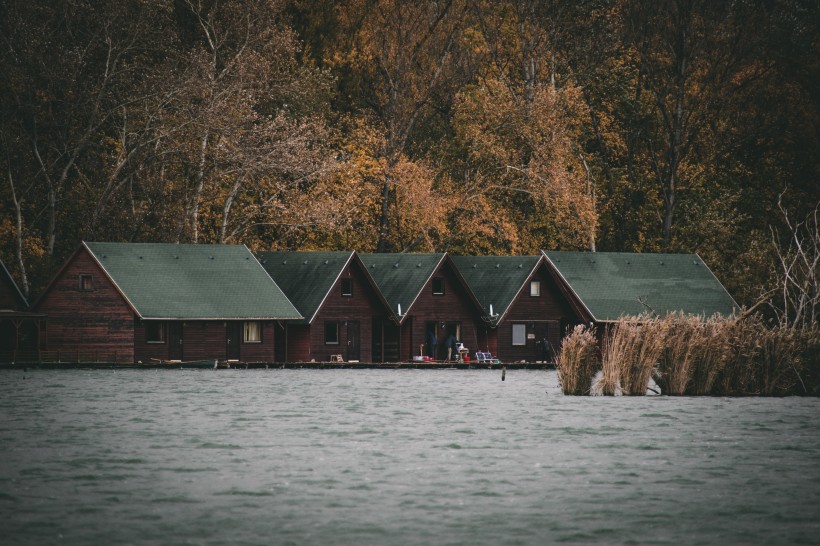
(682, 337)
(578, 361)
(716, 356)
(632, 348)
(710, 355)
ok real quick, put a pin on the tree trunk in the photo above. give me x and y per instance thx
(18, 251)
(226, 211)
(198, 187)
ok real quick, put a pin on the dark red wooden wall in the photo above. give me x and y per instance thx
(97, 324)
(455, 305)
(547, 314)
(206, 339)
(306, 343)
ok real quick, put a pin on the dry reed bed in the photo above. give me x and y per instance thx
(690, 355)
(578, 361)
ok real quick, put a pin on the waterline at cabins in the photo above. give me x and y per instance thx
(145, 302)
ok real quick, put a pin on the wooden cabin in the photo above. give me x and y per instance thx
(604, 286)
(143, 302)
(19, 328)
(343, 310)
(522, 306)
(430, 301)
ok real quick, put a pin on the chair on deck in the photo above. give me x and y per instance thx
(486, 358)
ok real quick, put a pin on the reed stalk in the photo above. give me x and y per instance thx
(681, 337)
(711, 355)
(577, 361)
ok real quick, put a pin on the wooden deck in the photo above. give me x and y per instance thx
(223, 365)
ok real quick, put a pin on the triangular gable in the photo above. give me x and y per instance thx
(307, 278)
(610, 284)
(192, 282)
(402, 277)
(495, 281)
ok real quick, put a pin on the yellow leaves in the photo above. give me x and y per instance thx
(527, 154)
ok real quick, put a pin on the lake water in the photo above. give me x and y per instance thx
(394, 457)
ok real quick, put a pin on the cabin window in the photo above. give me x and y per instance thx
(253, 332)
(535, 288)
(155, 332)
(331, 333)
(86, 283)
(347, 287)
(519, 334)
(438, 286)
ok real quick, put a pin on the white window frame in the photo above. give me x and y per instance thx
(535, 288)
(519, 331)
(252, 331)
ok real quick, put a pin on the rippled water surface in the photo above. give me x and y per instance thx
(394, 457)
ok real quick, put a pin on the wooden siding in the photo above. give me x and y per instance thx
(547, 314)
(95, 323)
(454, 306)
(203, 340)
(306, 344)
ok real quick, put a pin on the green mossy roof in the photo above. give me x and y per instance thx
(495, 280)
(193, 282)
(401, 277)
(613, 284)
(305, 277)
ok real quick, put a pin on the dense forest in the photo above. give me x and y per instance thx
(467, 126)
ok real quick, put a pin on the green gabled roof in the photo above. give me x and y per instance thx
(611, 284)
(192, 282)
(496, 280)
(305, 277)
(401, 277)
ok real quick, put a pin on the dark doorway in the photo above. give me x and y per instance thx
(280, 342)
(175, 340)
(233, 332)
(446, 336)
(353, 341)
(543, 351)
(385, 340)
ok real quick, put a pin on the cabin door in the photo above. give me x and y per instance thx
(542, 352)
(353, 341)
(233, 331)
(175, 340)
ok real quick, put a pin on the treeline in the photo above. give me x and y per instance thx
(469, 126)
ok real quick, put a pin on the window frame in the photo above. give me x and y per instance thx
(535, 289)
(334, 324)
(346, 283)
(522, 327)
(245, 332)
(162, 330)
(438, 281)
(82, 286)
